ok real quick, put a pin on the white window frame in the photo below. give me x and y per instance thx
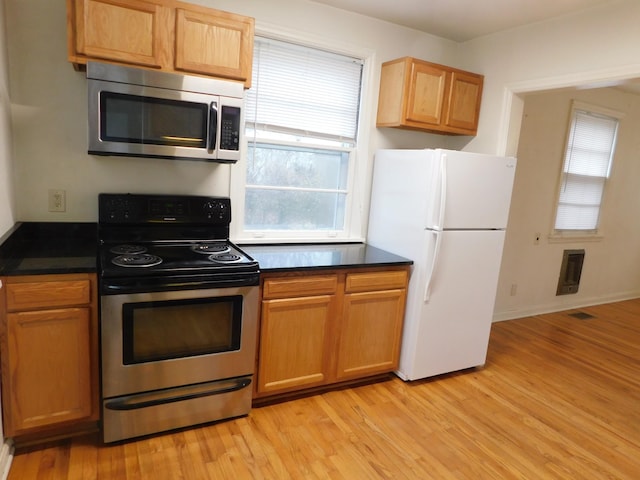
(356, 201)
(560, 235)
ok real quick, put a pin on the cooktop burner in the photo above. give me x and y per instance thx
(136, 260)
(208, 248)
(225, 258)
(128, 249)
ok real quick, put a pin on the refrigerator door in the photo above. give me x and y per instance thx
(470, 191)
(402, 186)
(449, 331)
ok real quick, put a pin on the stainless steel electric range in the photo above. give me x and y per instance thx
(179, 306)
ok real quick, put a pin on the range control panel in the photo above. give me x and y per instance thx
(163, 209)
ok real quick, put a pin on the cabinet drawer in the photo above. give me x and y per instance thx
(27, 296)
(362, 282)
(300, 286)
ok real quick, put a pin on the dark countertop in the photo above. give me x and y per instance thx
(36, 248)
(279, 258)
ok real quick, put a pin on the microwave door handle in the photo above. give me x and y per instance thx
(213, 126)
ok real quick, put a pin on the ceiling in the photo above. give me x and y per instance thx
(463, 20)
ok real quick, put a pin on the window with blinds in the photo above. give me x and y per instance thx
(301, 129)
(586, 167)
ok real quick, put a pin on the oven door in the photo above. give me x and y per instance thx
(163, 340)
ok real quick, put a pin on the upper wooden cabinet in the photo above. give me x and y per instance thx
(214, 44)
(419, 95)
(161, 34)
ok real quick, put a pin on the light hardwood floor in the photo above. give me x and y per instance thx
(559, 397)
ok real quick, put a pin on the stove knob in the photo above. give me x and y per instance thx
(209, 209)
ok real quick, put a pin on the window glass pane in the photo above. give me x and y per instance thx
(590, 144)
(284, 166)
(584, 190)
(293, 210)
(578, 217)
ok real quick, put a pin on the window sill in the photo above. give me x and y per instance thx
(575, 237)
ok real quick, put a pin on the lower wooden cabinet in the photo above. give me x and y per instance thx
(370, 333)
(49, 354)
(294, 342)
(320, 329)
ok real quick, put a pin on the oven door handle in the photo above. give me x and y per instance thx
(151, 399)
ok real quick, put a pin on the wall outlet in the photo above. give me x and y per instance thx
(514, 289)
(57, 200)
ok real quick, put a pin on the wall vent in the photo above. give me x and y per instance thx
(570, 272)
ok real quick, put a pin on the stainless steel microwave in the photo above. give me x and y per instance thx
(145, 113)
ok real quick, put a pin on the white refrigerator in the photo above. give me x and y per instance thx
(447, 211)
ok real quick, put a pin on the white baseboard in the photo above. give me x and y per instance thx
(6, 457)
(530, 310)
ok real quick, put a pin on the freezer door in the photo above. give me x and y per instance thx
(450, 307)
(471, 191)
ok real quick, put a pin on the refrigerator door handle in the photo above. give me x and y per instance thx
(443, 190)
(432, 267)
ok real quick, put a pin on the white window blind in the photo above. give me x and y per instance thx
(586, 167)
(304, 90)
(301, 128)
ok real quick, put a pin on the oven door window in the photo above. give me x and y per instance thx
(163, 330)
(149, 120)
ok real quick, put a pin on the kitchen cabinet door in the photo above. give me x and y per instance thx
(420, 95)
(128, 31)
(293, 343)
(219, 45)
(296, 330)
(464, 101)
(371, 327)
(49, 353)
(427, 92)
(49, 368)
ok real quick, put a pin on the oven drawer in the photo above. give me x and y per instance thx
(151, 412)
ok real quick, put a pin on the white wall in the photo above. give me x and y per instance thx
(6, 180)
(581, 49)
(50, 112)
(610, 270)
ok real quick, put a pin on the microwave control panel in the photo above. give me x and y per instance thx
(230, 128)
